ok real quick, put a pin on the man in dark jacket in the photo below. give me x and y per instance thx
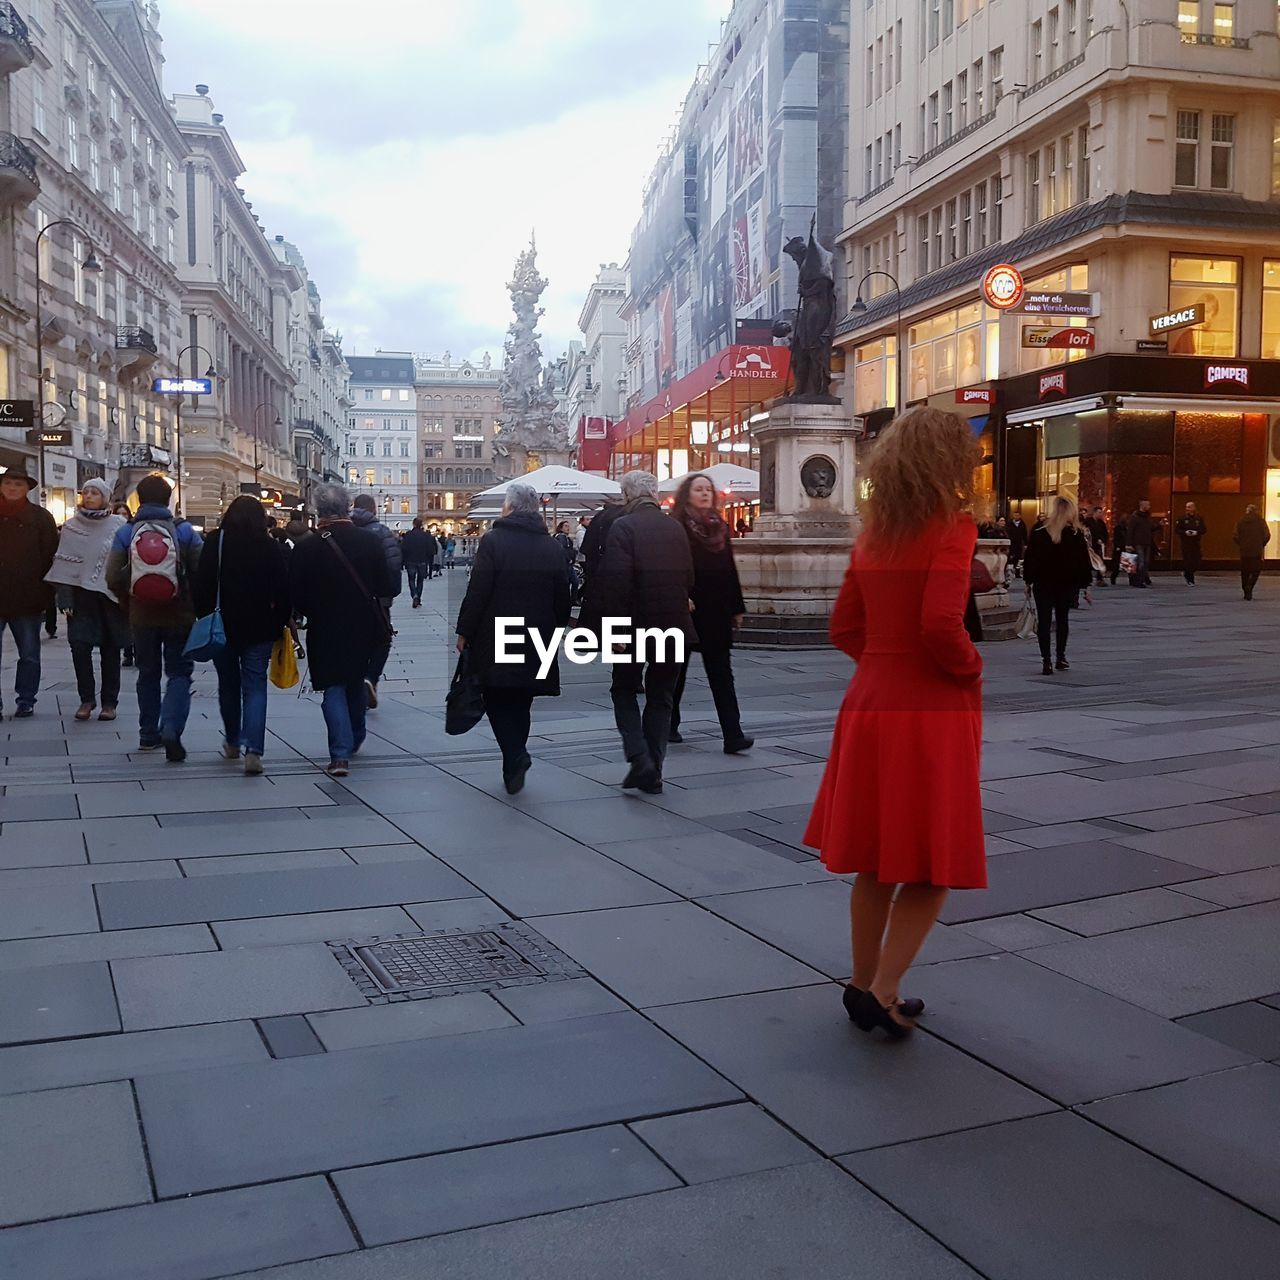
(364, 515)
(593, 545)
(28, 543)
(1119, 545)
(647, 579)
(1251, 536)
(416, 548)
(159, 619)
(1142, 538)
(1017, 535)
(337, 579)
(519, 573)
(1191, 530)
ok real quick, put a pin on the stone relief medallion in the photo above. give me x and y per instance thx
(818, 477)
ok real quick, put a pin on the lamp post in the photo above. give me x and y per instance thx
(859, 308)
(257, 466)
(90, 263)
(210, 373)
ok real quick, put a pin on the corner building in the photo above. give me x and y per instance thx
(1128, 153)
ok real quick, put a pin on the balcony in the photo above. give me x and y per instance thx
(15, 41)
(136, 350)
(19, 184)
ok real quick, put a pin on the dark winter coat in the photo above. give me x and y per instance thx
(390, 548)
(28, 543)
(716, 595)
(342, 627)
(1056, 566)
(1017, 532)
(1252, 536)
(1191, 533)
(95, 621)
(593, 546)
(519, 572)
(648, 570)
(418, 547)
(1142, 530)
(1098, 531)
(149, 613)
(255, 586)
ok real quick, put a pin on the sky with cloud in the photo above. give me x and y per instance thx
(408, 147)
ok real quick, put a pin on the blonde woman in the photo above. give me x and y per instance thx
(1056, 569)
(899, 803)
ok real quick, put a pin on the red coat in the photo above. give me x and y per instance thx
(899, 798)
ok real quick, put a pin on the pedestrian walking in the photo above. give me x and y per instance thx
(1017, 532)
(1142, 540)
(245, 570)
(417, 547)
(564, 540)
(1191, 531)
(450, 550)
(899, 803)
(28, 543)
(337, 580)
(519, 572)
(1251, 536)
(364, 515)
(152, 564)
(1056, 569)
(718, 607)
(1099, 535)
(580, 534)
(95, 619)
(593, 546)
(647, 578)
(126, 657)
(1119, 545)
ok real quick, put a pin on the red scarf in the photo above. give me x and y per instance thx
(13, 506)
(707, 529)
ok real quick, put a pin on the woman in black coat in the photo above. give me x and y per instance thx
(519, 572)
(254, 575)
(1057, 567)
(718, 606)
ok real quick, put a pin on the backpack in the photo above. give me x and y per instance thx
(154, 562)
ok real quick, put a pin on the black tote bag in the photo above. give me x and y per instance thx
(464, 703)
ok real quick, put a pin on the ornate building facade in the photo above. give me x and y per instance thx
(382, 435)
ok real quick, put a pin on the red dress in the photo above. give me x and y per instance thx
(899, 798)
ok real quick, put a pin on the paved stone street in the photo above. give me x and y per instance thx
(195, 1086)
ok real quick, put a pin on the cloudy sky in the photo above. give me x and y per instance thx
(408, 147)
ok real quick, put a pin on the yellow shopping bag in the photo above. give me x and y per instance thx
(283, 670)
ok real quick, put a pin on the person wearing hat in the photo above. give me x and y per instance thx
(94, 617)
(28, 541)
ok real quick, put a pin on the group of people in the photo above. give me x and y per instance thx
(671, 572)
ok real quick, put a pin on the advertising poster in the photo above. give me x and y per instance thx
(666, 337)
(743, 289)
(755, 249)
(748, 133)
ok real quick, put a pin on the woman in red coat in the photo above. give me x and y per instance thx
(899, 802)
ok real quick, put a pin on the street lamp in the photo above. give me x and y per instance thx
(90, 263)
(860, 308)
(210, 373)
(257, 466)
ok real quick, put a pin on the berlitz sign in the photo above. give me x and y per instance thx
(1215, 375)
(1182, 318)
(183, 386)
(975, 395)
(1053, 384)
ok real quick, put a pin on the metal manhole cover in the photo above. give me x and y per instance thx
(417, 966)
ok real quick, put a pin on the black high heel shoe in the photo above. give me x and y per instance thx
(908, 1008)
(868, 1014)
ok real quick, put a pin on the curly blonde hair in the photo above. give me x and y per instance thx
(921, 466)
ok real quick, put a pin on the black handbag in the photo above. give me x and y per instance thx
(464, 703)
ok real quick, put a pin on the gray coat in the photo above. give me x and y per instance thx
(390, 549)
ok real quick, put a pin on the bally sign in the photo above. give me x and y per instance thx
(975, 395)
(1183, 318)
(1053, 384)
(1072, 339)
(1216, 375)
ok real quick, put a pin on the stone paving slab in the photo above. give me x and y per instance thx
(90, 873)
(551, 1001)
(20, 808)
(1016, 932)
(1243, 889)
(724, 1230)
(1251, 1027)
(201, 1238)
(294, 860)
(318, 926)
(1186, 815)
(254, 895)
(1067, 798)
(208, 1129)
(70, 1151)
(667, 954)
(76, 947)
(54, 843)
(111, 800)
(1041, 1209)
(357, 1028)
(463, 1189)
(171, 991)
(796, 1054)
(1240, 845)
(1063, 1039)
(57, 1001)
(37, 911)
(1124, 910)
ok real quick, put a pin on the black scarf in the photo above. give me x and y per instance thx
(709, 530)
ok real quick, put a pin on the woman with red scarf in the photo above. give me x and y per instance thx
(717, 604)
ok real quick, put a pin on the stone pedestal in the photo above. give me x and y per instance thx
(794, 561)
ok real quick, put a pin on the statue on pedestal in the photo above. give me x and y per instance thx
(530, 426)
(814, 330)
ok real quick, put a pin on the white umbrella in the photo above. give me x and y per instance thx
(556, 482)
(730, 480)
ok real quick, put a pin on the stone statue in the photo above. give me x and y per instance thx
(814, 329)
(530, 424)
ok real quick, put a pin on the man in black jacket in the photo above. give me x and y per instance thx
(646, 579)
(418, 547)
(593, 545)
(28, 542)
(1143, 539)
(1251, 536)
(1017, 535)
(1099, 534)
(1191, 530)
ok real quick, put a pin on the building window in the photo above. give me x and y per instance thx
(1224, 23)
(1189, 20)
(966, 223)
(404, 448)
(875, 375)
(948, 110)
(1037, 52)
(977, 89)
(1275, 150)
(935, 21)
(980, 216)
(995, 65)
(404, 394)
(386, 475)
(114, 109)
(1082, 144)
(954, 349)
(1072, 22)
(368, 393)
(1074, 278)
(95, 165)
(386, 393)
(952, 231)
(1186, 164)
(1033, 188)
(1221, 150)
(386, 448)
(1271, 310)
(73, 143)
(368, 448)
(168, 175)
(404, 475)
(932, 139)
(404, 506)
(117, 189)
(370, 477)
(1215, 284)
(37, 104)
(962, 100)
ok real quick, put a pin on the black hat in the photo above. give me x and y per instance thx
(12, 473)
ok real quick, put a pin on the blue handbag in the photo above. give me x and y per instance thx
(208, 636)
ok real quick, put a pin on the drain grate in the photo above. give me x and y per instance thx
(418, 966)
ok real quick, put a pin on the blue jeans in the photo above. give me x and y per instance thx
(154, 648)
(242, 694)
(343, 706)
(26, 635)
(417, 574)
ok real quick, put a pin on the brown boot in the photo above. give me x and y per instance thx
(86, 710)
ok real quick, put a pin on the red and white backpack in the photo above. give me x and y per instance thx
(153, 562)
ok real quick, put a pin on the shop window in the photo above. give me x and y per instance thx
(1208, 452)
(1215, 283)
(950, 350)
(1271, 310)
(1275, 153)
(875, 375)
(1073, 279)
